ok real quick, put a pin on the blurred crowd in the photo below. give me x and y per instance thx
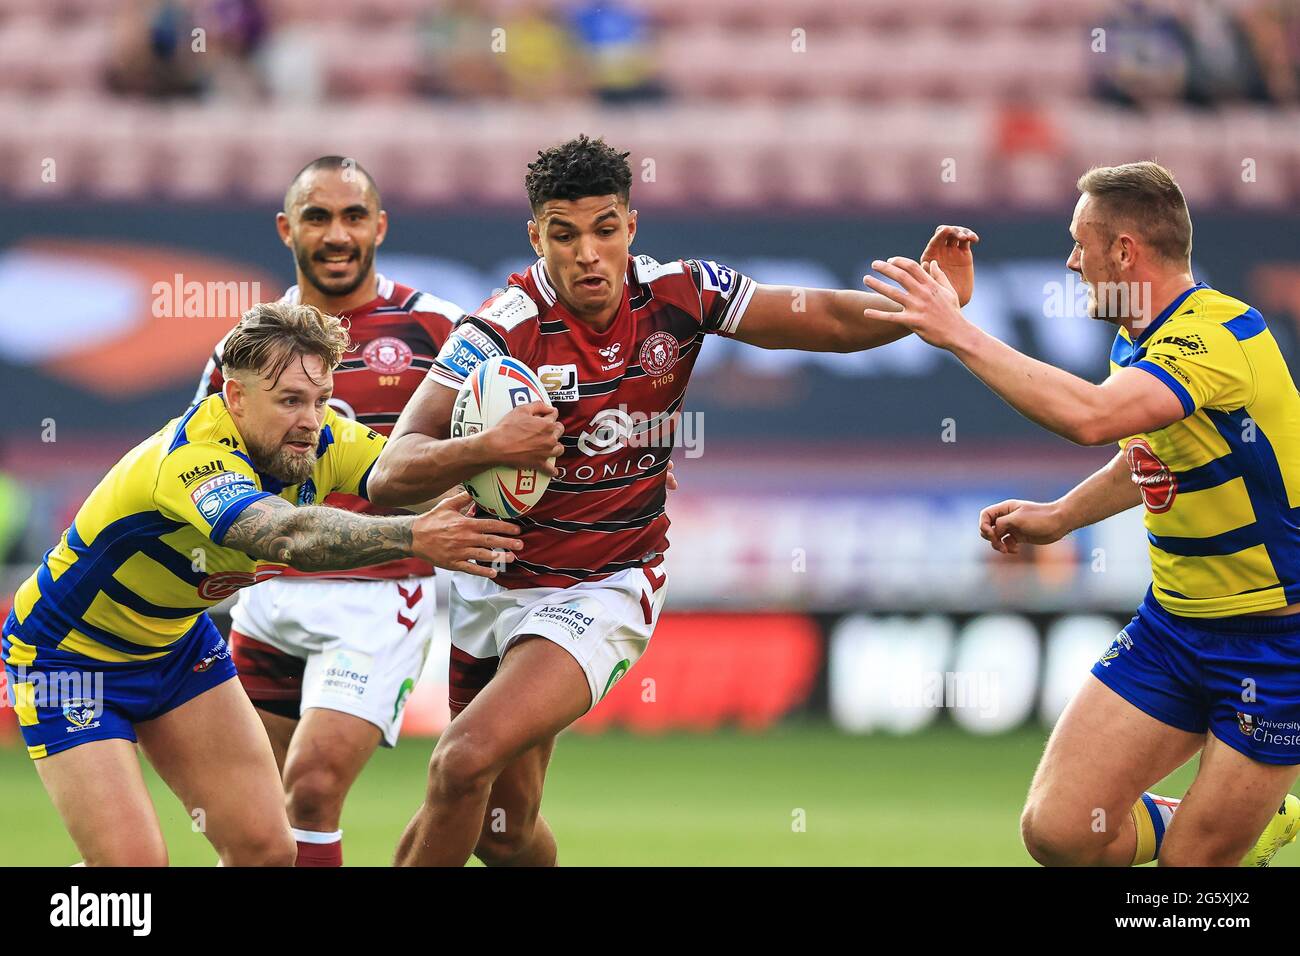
(1202, 52)
(571, 48)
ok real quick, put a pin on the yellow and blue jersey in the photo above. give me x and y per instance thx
(143, 558)
(1221, 485)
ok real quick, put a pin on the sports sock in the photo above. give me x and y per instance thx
(1151, 816)
(319, 849)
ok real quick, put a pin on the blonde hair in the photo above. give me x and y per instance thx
(1146, 197)
(271, 335)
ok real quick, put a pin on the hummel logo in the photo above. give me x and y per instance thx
(610, 355)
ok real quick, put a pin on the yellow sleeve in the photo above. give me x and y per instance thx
(354, 451)
(1204, 365)
(206, 485)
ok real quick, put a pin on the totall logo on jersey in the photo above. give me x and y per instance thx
(1159, 486)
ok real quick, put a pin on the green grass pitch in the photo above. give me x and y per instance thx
(940, 798)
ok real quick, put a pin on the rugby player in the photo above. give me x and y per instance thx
(109, 643)
(1208, 421)
(614, 337)
(328, 658)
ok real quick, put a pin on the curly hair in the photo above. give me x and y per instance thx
(271, 335)
(576, 169)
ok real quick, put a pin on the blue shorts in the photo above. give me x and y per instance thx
(1237, 677)
(70, 699)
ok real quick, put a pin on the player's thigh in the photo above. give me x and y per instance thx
(1227, 807)
(329, 750)
(516, 797)
(538, 690)
(1102, 754)
(99, 791)
(213, 752)
(279, 733)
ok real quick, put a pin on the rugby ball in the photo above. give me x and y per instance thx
(491, 391)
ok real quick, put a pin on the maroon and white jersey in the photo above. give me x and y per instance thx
(395, 337)
(619, 394)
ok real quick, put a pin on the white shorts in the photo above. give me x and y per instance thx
(363, 642)
(606, 626)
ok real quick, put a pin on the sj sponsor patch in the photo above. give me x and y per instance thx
(560, 382)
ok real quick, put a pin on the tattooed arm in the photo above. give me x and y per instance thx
(316, 538)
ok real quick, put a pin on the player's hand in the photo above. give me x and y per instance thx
(527, 437)
(448, 537)
(931, 308)
(1008, 524)
(950, 246)
(672, 479)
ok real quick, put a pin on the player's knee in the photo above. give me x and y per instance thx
(504, 840)
(460, 766)
(315, 796)
(268, 847)
(1052, 841)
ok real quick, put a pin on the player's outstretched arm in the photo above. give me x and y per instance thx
(1106, 492)
(833, 320)
(420, 460)
(1130, 402)
(316, 538)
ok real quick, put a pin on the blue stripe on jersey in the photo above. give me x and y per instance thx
(96, 563)
(1123, 352)
(124, 596)
(180, 439)
(362, 490)
(63, 619)
(1175, 386)
(172, 560)
(1246, 326)
(1268, 497)
(1215, 546)
(1209, 475)
(326, 439)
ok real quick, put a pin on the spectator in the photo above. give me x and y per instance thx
(540, 59)
(1145, 61)
(151, 50)
(1220, 66)
(1273, 30)
(458, 53)
(617, 43)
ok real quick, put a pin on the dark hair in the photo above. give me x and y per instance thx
(270, 335)
(581, 167)
(347, 164)
(1145, 197)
